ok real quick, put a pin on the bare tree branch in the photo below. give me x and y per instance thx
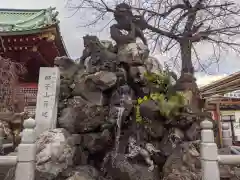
(182, 22)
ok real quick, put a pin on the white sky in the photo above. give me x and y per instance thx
(73, 36)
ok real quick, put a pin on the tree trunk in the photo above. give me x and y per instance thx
(187, 83)
(186, 56)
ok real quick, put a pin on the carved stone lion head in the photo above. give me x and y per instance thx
(90, 41)
(63, 62)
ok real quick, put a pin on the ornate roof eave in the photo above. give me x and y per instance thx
(229, 78)
(62, 41)
(53, 29)
(222, 86)
(40, 13)
(23, 10)
(30, 31)
(23, 20)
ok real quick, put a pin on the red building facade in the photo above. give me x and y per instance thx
(32, 38)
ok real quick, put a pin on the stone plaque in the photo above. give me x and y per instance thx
(47, 99)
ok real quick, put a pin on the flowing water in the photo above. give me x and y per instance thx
(120, 111)
(124, 95)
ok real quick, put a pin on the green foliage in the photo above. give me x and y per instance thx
(139, 118)
(139, 102)
(161, 81)
(168, 107)
(169, 102)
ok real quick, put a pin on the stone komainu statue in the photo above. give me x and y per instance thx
(98, 54)
(12, 124)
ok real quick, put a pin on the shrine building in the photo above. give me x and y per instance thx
(31, 37)
(223, 100)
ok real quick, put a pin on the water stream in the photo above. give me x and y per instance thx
(120, 111)
(124, 95)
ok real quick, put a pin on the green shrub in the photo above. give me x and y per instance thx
(169, 102)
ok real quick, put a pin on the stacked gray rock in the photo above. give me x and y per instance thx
(98, 135)
(88, 122)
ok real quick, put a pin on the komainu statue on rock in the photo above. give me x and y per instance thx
(12, 124)
(67, 66)
(184, 163)
(68, 70)
(101, 55)
(145, 152)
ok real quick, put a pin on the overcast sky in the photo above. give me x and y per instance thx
(72, 34)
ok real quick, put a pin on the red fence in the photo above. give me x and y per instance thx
(29, 91)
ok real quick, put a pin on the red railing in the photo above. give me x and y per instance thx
(29, 90)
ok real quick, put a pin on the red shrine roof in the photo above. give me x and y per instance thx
(26, 32)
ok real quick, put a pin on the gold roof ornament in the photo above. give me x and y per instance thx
(48, 36)
(35, 48)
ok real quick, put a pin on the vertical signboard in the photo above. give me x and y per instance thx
(47, 99)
